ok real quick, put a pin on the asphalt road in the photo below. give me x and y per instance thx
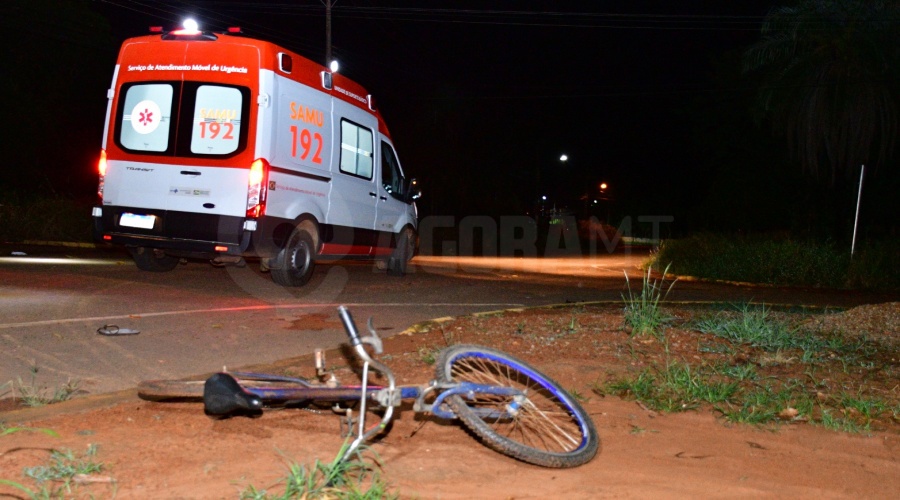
(199, 318)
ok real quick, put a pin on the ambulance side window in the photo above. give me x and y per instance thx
(145, 117)
(391, 175)
(356, 150)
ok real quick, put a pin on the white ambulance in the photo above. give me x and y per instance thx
(220, 147)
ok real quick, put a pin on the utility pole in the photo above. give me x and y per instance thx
(328, 5)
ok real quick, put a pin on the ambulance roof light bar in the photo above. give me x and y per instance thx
(189, 31)
(190, 28)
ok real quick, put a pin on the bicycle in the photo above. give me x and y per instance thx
(512, 407)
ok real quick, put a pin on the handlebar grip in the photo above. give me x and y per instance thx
(349, 326)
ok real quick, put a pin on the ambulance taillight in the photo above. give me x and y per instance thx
(256, 188)
(101, 171)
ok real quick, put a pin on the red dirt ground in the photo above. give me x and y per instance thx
(172, 450)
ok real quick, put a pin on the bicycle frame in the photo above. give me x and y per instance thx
(375, 393)
(387, 397)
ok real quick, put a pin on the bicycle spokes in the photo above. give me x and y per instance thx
(528, 413)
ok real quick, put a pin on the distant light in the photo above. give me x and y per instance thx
(603, 186)
(191, 25)
(333, 66)
(563, 158)
(544, 198)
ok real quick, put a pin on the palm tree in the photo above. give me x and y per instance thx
(828, 72)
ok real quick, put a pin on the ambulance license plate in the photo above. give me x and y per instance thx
(137, 220)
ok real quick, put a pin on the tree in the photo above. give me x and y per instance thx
(828, 81)
(57, 62)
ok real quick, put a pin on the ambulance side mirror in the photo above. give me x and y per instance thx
(413, 192)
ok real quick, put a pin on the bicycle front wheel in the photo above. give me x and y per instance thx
(544, 426)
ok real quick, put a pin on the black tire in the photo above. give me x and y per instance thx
(295, 262)
(164, 390)
(153, 260)
(548, 428)
(403, 253)
(192, 390)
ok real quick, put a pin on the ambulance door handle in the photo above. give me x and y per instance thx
(189, 172)
(373, 195)
(383, 198)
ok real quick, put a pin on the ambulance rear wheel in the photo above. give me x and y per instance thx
(402, 254)
(153, 260)
(295, 263)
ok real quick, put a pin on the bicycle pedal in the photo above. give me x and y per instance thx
(347, 426)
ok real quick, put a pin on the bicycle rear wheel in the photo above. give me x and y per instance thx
(271, 387)
(547, 427)
(164, 390)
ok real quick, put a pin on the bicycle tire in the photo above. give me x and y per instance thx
(163, 390)
(549, 428)
(192, 390)
(272, 389)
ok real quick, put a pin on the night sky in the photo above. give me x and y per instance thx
(482, 97)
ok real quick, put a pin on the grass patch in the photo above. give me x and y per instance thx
(24, 216)
(60, 478)
(33, 395)
(784, 261)
(677, 387)
(759, 368)
(64, 466)
(338, 479)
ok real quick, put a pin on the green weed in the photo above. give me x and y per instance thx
(642, 310)
(581, 398)
(339, 479)
(64, 468)
(857, 413)
(33, 395)
(427, 355)
(740, 372)
(767, 404)
(678, 387)
(44, 493)
(10, 430)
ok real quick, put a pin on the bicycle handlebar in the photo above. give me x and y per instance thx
(349, 326)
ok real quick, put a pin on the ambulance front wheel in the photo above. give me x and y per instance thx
(402, 254)
(153, 260)
(294, 264)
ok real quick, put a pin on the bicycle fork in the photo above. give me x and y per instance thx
(389, 395)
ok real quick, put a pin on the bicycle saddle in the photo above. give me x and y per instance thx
(223, 395)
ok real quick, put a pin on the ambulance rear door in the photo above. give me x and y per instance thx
(184, 129)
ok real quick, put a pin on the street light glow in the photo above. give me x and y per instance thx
(564, 158)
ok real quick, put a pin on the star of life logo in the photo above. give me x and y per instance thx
(145, 117)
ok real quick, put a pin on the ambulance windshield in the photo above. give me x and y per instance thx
(182, 119)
